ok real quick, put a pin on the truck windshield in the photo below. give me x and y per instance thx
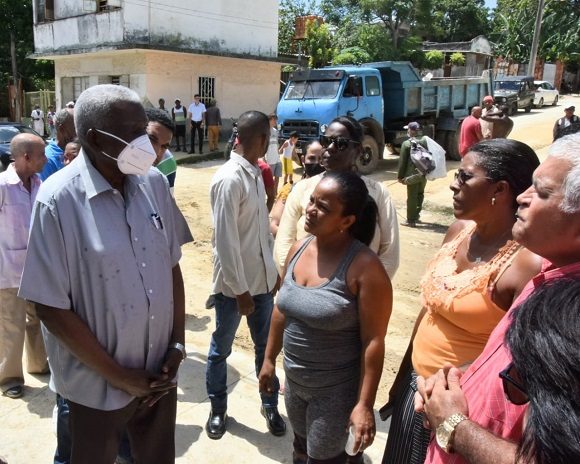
(311, 89)
(507, 85)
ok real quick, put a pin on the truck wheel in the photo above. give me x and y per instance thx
(368, 160)
(451, 145)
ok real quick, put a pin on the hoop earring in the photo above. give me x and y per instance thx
(493, 201)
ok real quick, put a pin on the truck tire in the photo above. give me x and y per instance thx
(368, 160)
(452, 144)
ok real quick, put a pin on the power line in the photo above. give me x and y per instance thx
(191, 12)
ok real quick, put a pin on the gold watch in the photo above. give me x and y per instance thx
(446, 430)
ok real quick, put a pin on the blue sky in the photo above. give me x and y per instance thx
(491, 3)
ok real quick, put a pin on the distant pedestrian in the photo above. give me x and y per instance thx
(408, 175)
(287, 150)
(470, 132)
(567, 125)
(196, 115)
(268, 179)
(162, 106)
(179, 116)
(18, 321)
(213, 119)
(50, 121)
(502, 124)
(272, 155)
(489, 110)
(37, 116)
(65, 133)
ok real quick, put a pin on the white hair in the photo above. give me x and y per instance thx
(93, 107)
(568, 148)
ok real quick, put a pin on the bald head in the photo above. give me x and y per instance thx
(254, 134)
(476, 112)
(28, 153)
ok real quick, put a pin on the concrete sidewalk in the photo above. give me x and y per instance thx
(27, 431)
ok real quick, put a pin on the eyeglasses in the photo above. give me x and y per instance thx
(513, 389)
(462, 177)
(340, 143)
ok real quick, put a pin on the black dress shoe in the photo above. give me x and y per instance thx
(216, 425)
(14, 392)
(274, 421)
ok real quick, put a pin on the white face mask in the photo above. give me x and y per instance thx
(136, 158)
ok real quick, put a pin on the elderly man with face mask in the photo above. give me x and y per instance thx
(103, 269)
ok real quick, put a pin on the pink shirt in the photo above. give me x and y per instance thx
(470, 134)
(15, 211)
(481, 384)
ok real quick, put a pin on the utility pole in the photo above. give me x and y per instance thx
(536, 39)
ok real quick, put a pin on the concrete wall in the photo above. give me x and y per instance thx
(224, 26)
(240, 84)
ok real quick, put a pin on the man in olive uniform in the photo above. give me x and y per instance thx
(410, 176)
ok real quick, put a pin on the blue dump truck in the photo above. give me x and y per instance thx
(384, 97)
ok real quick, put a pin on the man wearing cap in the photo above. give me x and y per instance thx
(408, 175)
(179, 115)
(470, 132)
(486, 122)
(567, 125)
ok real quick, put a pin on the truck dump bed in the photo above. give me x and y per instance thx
(406, 95)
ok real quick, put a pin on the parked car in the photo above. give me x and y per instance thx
(545, 94)
(514, 91)
(7, 132)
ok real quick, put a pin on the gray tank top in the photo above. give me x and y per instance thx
(322, 346)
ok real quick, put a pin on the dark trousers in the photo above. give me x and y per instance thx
(96, 434)
(180, 137)
(63, 436)
(196, 126)
(415, 196)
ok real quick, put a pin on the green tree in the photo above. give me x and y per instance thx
(457, 59)
(459, 20)
(16, 43)
(352, 55)
(434, 59)
(318, 44)
(400, 16)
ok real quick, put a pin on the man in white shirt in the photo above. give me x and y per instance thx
(196, 114)
(18, 321)
(37, 116)
(244, 276)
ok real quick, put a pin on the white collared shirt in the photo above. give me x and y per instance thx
(196, 111)
(242, 242)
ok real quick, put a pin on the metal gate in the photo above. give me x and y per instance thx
(206, 86)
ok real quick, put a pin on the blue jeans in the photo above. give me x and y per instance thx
(227, 322)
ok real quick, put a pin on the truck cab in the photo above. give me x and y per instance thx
(314, 97)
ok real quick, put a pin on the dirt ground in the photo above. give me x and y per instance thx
(417, 245)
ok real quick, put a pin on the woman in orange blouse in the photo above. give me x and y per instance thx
(470, 282)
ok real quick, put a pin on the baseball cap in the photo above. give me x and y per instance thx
(413, 126)
(570, 107)
(488, 98)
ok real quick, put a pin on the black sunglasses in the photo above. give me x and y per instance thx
(513, 389)
(340, 143)
(462, 177)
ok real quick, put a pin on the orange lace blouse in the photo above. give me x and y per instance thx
(460, 312)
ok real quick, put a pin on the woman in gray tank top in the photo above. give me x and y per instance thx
(331, 319)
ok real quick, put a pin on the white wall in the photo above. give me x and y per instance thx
(241, 85)
(223, 26)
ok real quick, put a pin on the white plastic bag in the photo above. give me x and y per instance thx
(438, 153)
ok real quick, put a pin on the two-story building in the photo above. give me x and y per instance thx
(222, 49)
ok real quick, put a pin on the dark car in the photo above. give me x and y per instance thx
(514, 91)
(7, 132)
